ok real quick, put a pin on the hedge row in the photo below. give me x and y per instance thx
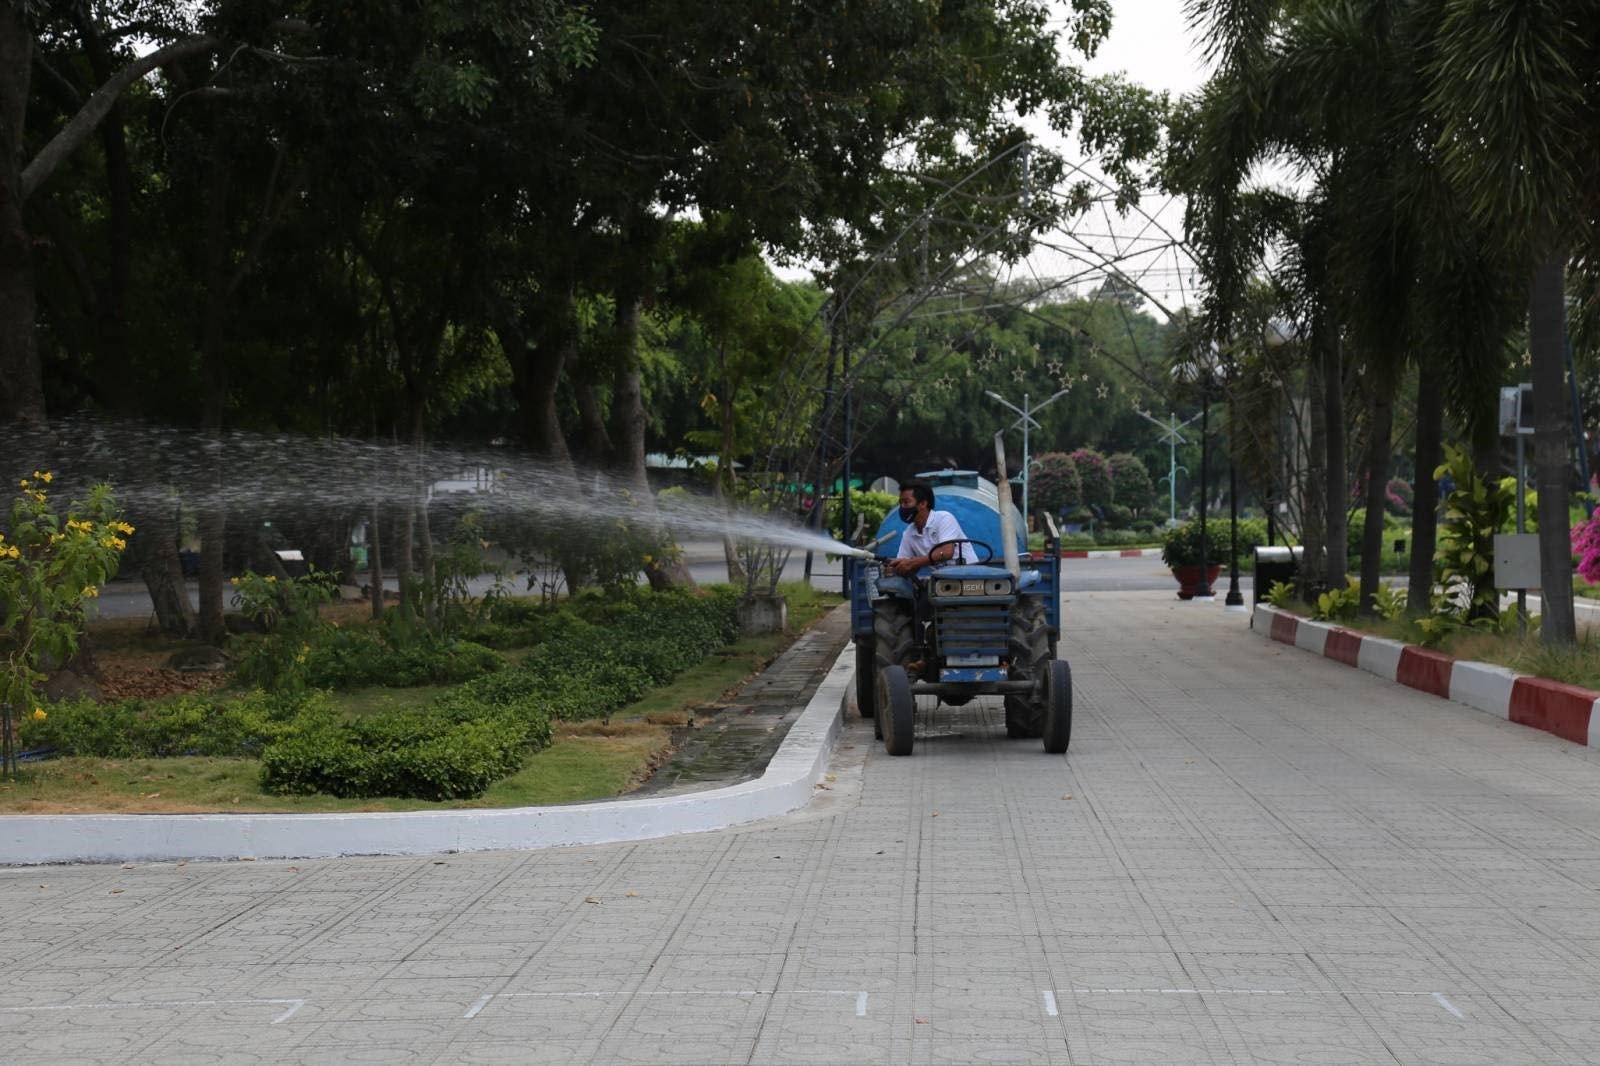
(186, 725)
(474, 735)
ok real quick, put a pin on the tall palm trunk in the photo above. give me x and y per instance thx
(1425, 492)
(1336, 470)
(1313, 489)
(1551, 449)
(1377, 470)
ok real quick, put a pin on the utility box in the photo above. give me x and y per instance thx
(1516, 560)
(1274, 564)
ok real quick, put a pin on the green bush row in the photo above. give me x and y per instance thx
(420, 755)
(358, 658)
(186, 725)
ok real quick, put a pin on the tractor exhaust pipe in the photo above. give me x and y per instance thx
(1008, 524)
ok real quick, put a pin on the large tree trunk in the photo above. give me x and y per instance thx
(1552, 446)
(1425, 493)
(726, 483)
(21, 379)
(162, 571)
(1378, 449)
(375, 561)
(1336, 471)
(213, 365)
(628, 404)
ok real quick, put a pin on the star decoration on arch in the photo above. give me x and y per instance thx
(1103, 391)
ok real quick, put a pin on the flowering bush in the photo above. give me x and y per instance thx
(1398, 497)
(1094, 472)
(1586, 546)
(48, 567)
(1053, 483)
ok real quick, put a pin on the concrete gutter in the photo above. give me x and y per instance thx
(787, 785)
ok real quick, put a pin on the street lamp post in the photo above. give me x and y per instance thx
(1171, 437)
(1026, 422)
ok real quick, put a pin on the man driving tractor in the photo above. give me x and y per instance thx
(928, 532)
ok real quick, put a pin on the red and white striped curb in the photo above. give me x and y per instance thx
(1570, 712)
(1109, 553)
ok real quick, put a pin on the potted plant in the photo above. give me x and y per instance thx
(1181, 552)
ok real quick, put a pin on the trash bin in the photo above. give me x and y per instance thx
(1273, 564)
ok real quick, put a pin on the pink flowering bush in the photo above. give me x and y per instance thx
(1586, 546)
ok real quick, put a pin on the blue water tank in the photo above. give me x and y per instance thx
(975, 503)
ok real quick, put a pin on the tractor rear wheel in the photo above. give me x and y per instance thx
(866, 677)
(897, 710)
(893, 644)
(1058, 707)
(1029, 648)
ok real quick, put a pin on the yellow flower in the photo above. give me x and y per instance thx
(91, 591)
(44, 476)
(56, 537)
(118, 543)
(272, 578)
(23, 482)
(39, 715)
(123, 528)
(233, 581)
(12, 552)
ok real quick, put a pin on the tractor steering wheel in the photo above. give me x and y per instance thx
(988, 551)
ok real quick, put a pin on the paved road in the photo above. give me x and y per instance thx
(128, 599)
(1249, 855)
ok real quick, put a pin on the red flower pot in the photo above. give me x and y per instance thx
(1189, 579)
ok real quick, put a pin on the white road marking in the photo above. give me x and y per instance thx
(293, 1005)
(860, 996)
(1050, 1004)
(1439, 997)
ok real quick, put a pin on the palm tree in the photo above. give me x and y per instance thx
(1512, 84)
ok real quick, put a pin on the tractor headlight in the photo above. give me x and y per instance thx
(946, 587)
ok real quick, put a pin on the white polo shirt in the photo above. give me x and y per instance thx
(942, 526)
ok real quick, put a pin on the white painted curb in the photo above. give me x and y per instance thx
(1484, 686)
(1380, 656)
(787, 785)
(1312, 636)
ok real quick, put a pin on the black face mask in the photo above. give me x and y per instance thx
(908, 514)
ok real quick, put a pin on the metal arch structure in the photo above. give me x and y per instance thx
(1017, 263)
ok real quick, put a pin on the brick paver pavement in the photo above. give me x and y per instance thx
(1250, 855)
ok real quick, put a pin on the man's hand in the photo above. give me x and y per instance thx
(903, 566)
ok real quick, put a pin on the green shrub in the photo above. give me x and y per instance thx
(415, 754)
(1182, 546)
(360, 658)
(185, 725)
(1094, 474)
(1130, 481)
(1053, 483)
(1077, 540)
(1116, 538)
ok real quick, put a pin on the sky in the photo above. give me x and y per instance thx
(1150, 43)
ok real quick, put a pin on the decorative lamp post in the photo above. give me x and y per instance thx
(1027, 422)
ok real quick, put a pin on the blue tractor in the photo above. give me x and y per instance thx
(985, 626)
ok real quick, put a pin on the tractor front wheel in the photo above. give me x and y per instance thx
(866, 677)
(893, 644)
(1029, 648)
(897, 710)
(1058, 708)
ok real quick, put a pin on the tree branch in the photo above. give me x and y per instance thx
(77, 130)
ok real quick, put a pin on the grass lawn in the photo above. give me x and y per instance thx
(587, 760)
